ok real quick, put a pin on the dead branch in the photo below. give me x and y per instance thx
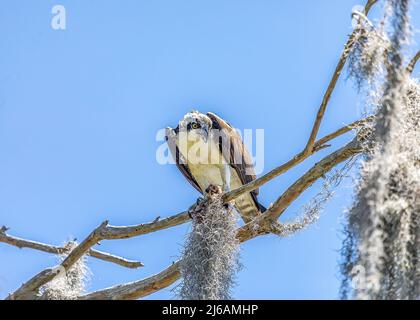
(333, 82)
(311, 176)
(140, 288)
(29, 290)
(23, 243)
(266, 222)
(31, 287)
(115, 259)
(321, 142)
(114, 232)
(297, 159)
(259, 226)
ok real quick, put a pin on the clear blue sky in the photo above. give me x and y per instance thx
(80, 108)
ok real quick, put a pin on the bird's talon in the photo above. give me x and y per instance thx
(199, 200)
(228, 205)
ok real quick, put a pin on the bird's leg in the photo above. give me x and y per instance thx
(226, 177)
(197, 207)
(197, 211)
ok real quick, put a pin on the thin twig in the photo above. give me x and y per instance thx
(132, 264)
(369, 5)
(321, 142)
(114, 232)
(412, 64)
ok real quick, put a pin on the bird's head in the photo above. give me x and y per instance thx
(197, 125)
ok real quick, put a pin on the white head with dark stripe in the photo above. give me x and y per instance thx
(197, 125)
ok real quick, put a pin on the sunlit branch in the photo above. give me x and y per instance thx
(29, 289)
(23, 243)
(259, 226)
(297, 159)
(333, 82)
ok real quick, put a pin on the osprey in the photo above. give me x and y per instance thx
(208, 151)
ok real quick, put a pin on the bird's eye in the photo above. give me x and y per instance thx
(195, 125)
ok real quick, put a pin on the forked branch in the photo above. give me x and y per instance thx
(23, 243)
(297, 159)
(331, 86)
(30, 289)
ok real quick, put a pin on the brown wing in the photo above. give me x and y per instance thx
(235, 153)
(182, 165)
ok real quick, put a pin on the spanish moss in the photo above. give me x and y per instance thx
(380, 250)
(210, 257)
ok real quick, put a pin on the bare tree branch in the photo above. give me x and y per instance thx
(333, 82)
(320, 144)
(29, 290)
(132, 264)
(267, 222)
(140, 288)
(31, 287)
(103, 232)
(23, 243)
(93, 238)
(311, 176)
(107, 232)
(161, 280)
(115, 259)
(113, 232)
